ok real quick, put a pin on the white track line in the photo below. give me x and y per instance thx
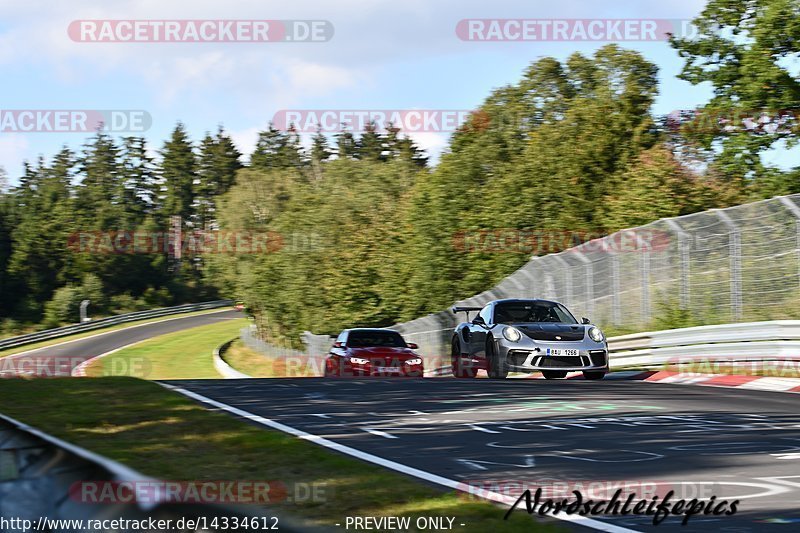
(392, 465)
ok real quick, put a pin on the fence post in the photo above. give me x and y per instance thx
(736, 263)
(589, 281)
(683, 253)
(616, 310)
(793, 209)
(644, 266)
(567, 278)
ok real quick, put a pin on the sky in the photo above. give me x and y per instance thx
(383, 55)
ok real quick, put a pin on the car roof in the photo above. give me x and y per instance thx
(505, 300)
(371, 329)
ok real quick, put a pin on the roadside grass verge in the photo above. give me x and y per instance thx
(252, 363)
(59, 340)
(165, 435)
(184, 354)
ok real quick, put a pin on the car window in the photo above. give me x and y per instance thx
(486, 314)
(375, 338)
(519, 312)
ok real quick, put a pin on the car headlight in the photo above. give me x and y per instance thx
(416, 361)
(595, 334)
(512, 334)
(359, 361)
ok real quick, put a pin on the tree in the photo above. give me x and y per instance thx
(178, 172)
(744, 48)
(218, 163)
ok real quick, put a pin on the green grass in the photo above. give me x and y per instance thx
(184, 354)
(254, 364)
(167, 436)
(59, 340)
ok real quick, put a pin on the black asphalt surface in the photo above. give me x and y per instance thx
(61, 359)
(650, 437)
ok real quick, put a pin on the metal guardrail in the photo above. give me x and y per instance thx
(764, 341)
(38, 473)
(30, 338)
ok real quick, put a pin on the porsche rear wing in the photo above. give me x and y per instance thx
(465, 309)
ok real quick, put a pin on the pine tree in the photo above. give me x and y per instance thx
(178, 171)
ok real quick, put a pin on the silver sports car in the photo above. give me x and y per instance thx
(527, 336)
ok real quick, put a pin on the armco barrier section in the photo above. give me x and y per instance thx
(38, 473)
(39, 336)
(759, 341)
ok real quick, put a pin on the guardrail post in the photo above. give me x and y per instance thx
(793, 209)
(736, 263)
(683, 253)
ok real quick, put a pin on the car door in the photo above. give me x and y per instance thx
(479, 332)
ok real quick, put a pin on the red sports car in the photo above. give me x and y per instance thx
(373, 352)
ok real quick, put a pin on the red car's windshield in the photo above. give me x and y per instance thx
(369, 339)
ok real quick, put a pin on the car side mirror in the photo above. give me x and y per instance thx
(585, 320)
(338, 344)
(412, 345)
(478, 320)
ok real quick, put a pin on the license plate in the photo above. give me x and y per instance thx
(562, 352)
(388, 369)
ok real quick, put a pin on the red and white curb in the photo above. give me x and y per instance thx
(773, 384)
(708, 380)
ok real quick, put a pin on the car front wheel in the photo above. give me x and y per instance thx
(498, 367)
(460, 370)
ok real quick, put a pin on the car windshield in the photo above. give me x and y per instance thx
(369, 339)
(517, 312)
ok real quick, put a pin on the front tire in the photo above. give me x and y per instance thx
(498, 367)
(593, 375)
(457, 362)
(554, 374)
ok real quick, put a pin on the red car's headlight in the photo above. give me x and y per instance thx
(412, 362)
(359, 361)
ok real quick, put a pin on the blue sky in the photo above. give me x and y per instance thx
(384, 55)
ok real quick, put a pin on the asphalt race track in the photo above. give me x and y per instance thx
(697, 441)
(61, 359)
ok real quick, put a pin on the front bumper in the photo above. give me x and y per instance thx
(536, 359)
(399, 371)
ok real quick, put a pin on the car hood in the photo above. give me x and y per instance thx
(381, 353)
(548, 331)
